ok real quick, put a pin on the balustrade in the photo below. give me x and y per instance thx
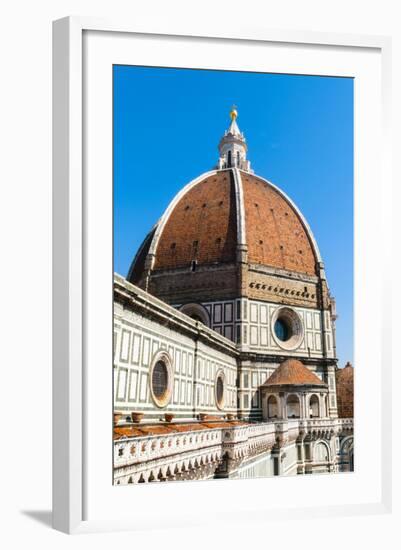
(192, 451)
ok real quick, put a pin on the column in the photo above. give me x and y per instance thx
(304, 406)
(282, 405)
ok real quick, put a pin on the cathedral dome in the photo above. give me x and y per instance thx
(213, 216)
(226, 217)
(345, 391)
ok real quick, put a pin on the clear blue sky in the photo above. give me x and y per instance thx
(299, 130)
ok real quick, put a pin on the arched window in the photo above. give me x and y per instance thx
(321, 453)
(229, 159)
(238, 158)
(272, 407)
(293, 407)
(314, 407)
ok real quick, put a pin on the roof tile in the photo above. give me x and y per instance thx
(292, 372)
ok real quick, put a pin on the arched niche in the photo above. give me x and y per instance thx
(293, 406)
(272, 407)
(321, 452)
(314, 406)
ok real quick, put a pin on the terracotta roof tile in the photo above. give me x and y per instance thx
(275, 234)
(292, 372)
(202, 225)
(345, 391)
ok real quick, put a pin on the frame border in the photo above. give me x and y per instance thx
(68, 251)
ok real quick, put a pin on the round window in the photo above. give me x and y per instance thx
(287, 328)
(160, 380)
(220, 390)
(282, 330)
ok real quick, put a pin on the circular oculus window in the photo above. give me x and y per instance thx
(161, 380)
(219, 390)
(288, 330)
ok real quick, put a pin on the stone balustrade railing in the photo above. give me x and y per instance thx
(200, 447)
(128, 451)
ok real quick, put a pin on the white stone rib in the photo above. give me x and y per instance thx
(239, 197)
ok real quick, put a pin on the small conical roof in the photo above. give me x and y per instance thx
(292, 372)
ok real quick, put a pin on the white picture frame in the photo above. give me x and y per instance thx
(70, 259)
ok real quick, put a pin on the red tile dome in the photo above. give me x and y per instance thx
(221, 211)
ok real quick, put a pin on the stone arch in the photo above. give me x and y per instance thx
(346, 444)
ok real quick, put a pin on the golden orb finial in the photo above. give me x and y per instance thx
(233, 112)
